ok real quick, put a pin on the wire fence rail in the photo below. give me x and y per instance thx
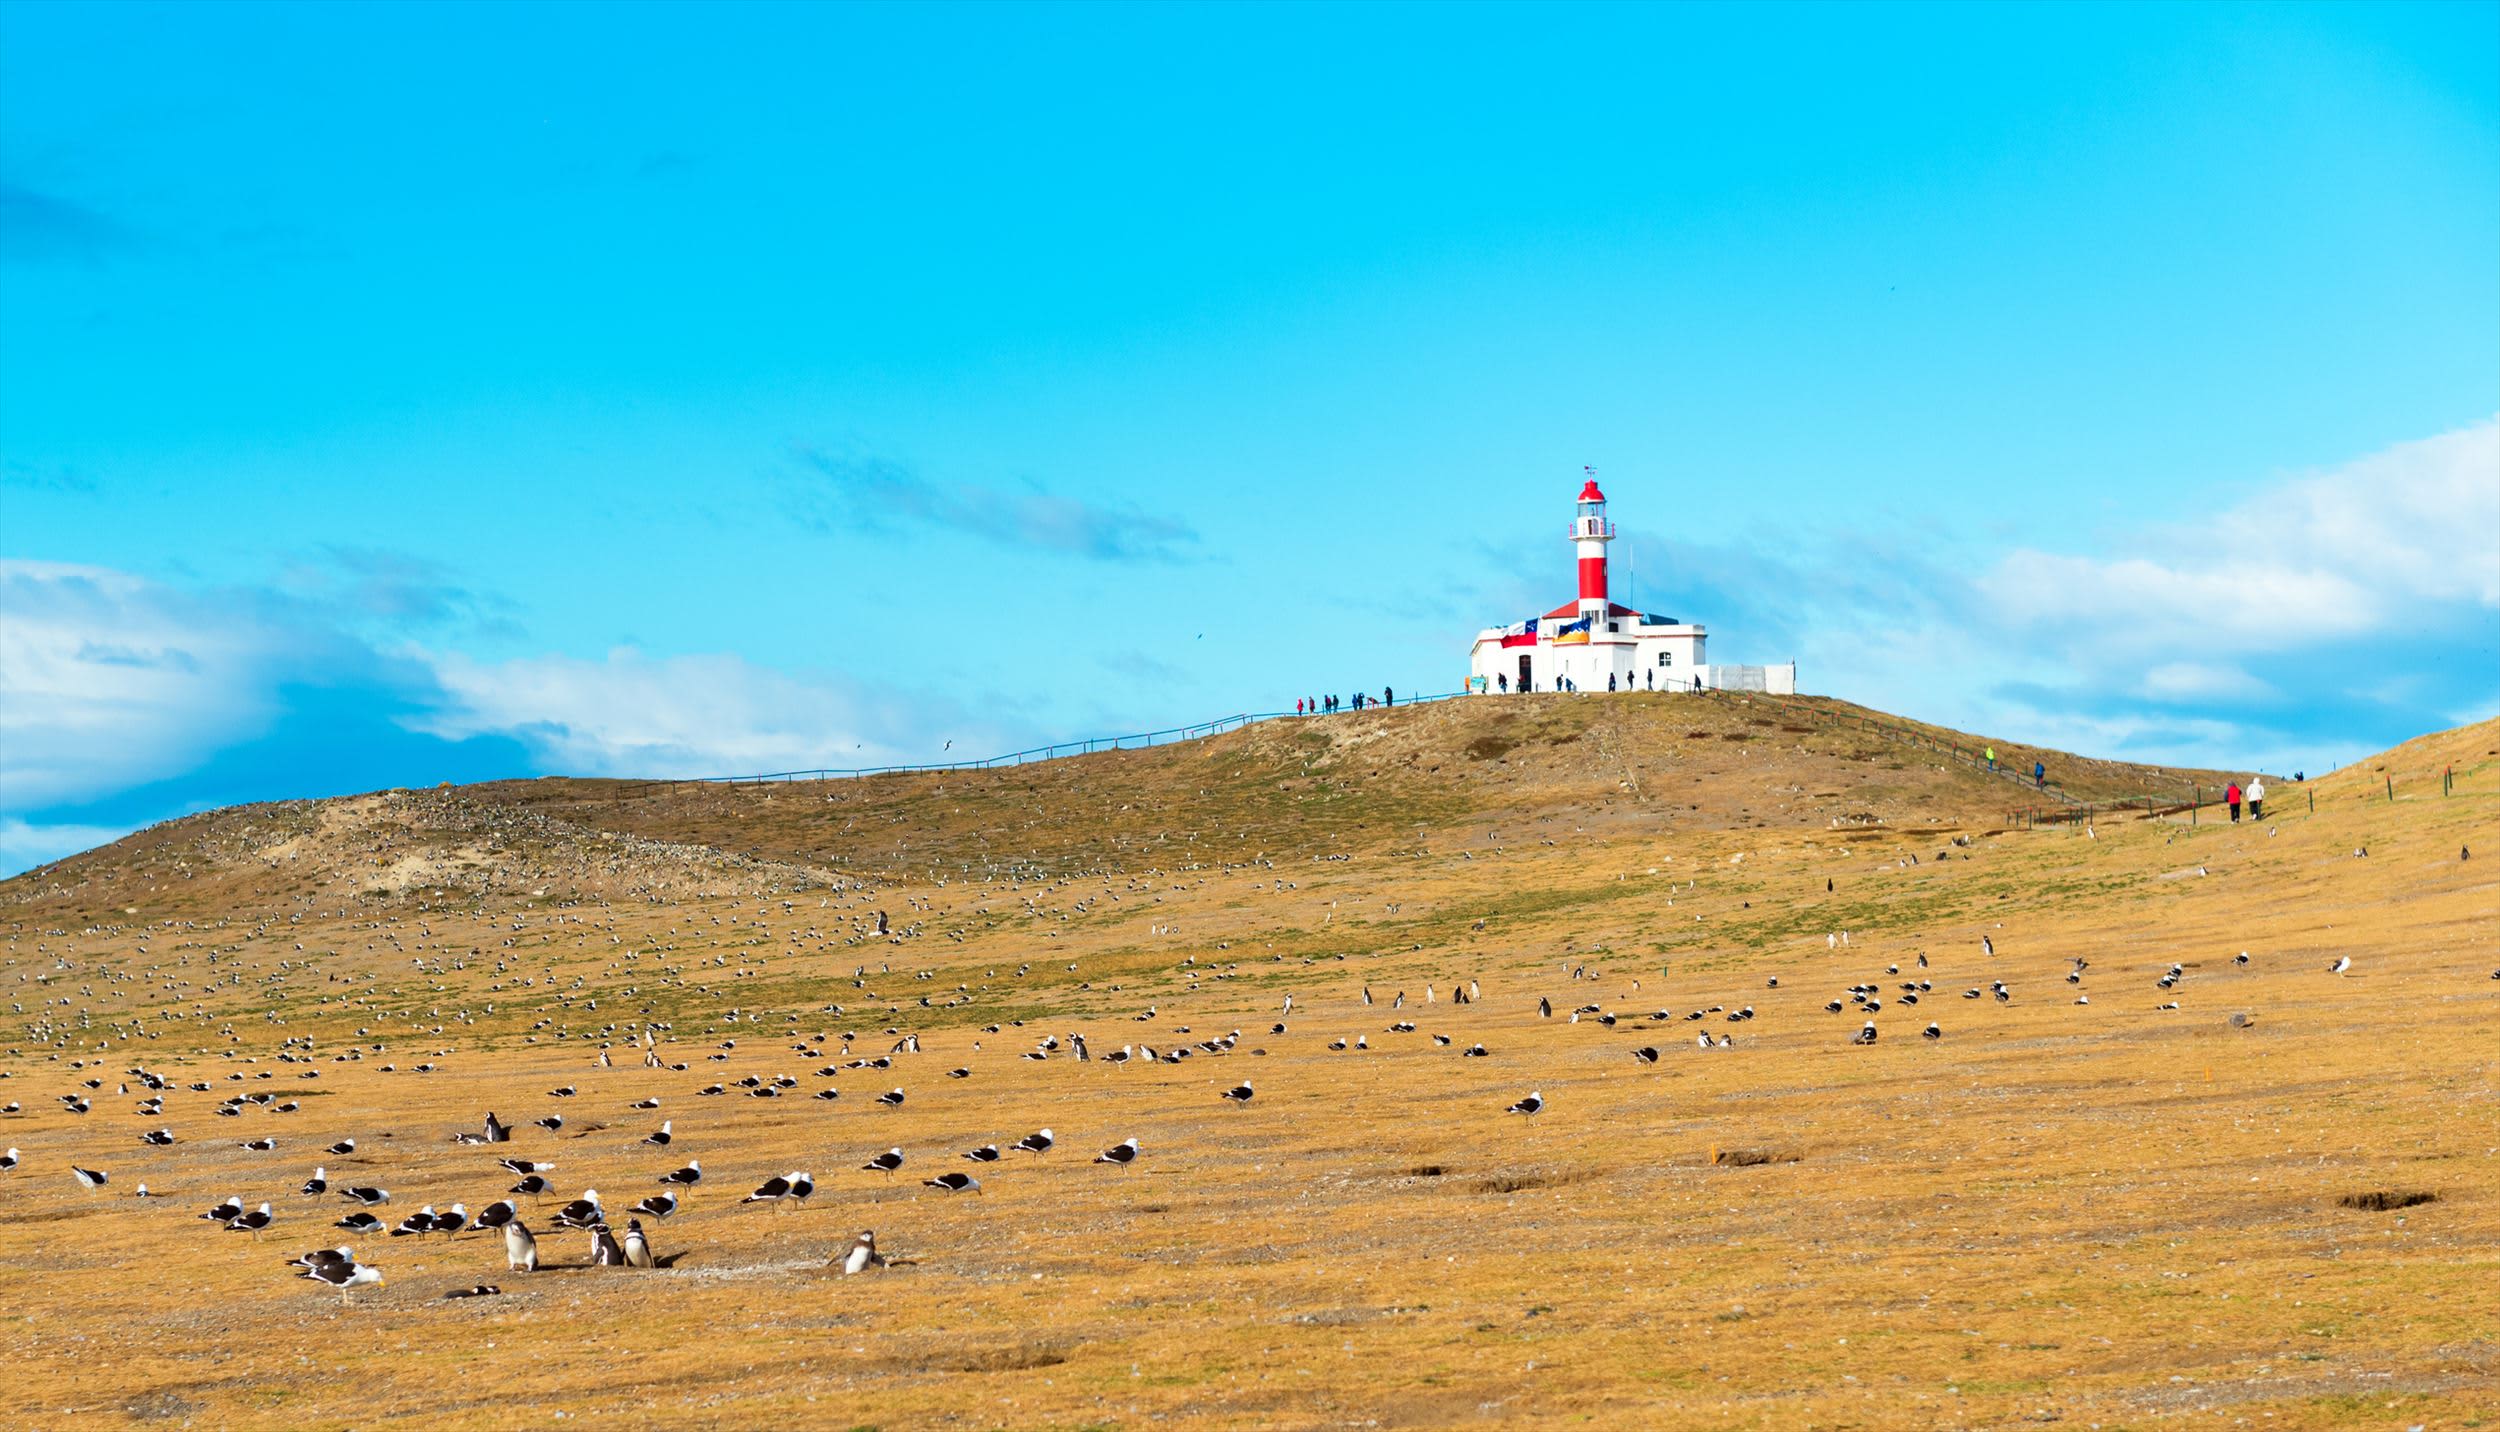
(2068, 810)
(1092, 745)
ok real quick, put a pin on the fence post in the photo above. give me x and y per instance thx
(2196, 797)
(2391, 788)
(2313, 800)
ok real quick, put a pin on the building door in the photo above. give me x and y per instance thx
(1527, 674)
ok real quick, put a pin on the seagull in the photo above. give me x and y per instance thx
(496, 1215)
(343, 1146)
(520, 1248)
(531, 1187)
(259, 1146)
(452, 1220)
(885, 1163)
(660, 1139)
(1531, 1106)
(686, 1177)
(1932, 1031)
(551, 1123)
(1647, 1054)
(318, 1184)
(891, 1098)
(421, 1221)
(987, 1153)
(1866, 1035)
(523, 1167)
(252, 1222)
(360, 1222)
(2342, 963)
(89, 1177)
(658, 1205)
(8, 1162)
(786, 1186)
(582, 1212)
(1240, 1093)
(1037, 1142)
(863, 1255)
(369, 1197)
(1124, 1152)
(157, 1138)
(225, 1212)
(637, 1247)
(953, 1183)
(343, 1276)
(482, 1290)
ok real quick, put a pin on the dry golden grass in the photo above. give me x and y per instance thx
(2108, 1214)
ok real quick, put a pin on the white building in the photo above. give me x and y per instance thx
(1595, 644)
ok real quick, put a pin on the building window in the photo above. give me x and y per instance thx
(1666, 658)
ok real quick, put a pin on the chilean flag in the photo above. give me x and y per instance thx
(1520, 633)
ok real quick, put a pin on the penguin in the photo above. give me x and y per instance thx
(604, 1252)
(637, 1247)
(520, 1247)
(863, 1255)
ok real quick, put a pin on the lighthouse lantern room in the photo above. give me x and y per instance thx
(1597, 644)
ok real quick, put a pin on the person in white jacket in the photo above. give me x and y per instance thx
(2256, 798)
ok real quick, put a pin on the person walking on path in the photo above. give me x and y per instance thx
(1992, 760)
(2039, 775)
(2257, 797)
(2231, 798)
(1610, 681)
(1388, 696)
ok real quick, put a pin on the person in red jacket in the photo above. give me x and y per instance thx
(2231, 798)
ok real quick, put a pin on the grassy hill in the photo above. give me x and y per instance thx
(2116, 1196)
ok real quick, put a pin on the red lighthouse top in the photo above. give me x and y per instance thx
(1590, 493)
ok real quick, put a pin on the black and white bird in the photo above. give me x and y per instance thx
(1647, 1054)
(421, 1221)
(361, 1222)
(637, 1246)
(1529, 1107)
(525, 1167)
(987, 1153)
(658, 1205)
(784, 1188)
(496, 1215)
(891, 1098)
(259, 1146)
(1864, 1036)
(1123, 1152)
(2342, 963)
(660, 1138)
(520, 1248)
(318, 1184)
(452, 1220)
(863, 1255)
(1037, 1142)
(369, 1196)
(1240, 1093)
(9, 1161)
(252, 1222)
(343, 1147)
(345, 1276)
(226, 1211)
(954, 1183)
(1933, 1031)
(885, 1163)
(157, 1138)
(605, 1251)
(686, 1177)
(583, 1212)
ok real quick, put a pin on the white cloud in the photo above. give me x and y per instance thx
(2198, 681)
(107, 681)
(637, 715)
(24, 846)
(2364, 548)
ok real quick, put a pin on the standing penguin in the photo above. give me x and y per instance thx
(863, 1255)
(637, 1247)
(520, 1250)
(603, 1250)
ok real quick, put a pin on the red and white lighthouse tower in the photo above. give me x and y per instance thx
(1590, 532)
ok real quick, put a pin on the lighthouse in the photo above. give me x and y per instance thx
(1590, 532)
(1595, 644)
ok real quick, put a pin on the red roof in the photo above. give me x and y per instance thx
(1572, 609)
(1590, 493)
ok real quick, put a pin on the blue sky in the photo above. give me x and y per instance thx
(401, 394)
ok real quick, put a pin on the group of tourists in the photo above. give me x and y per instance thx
(1322, 705)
